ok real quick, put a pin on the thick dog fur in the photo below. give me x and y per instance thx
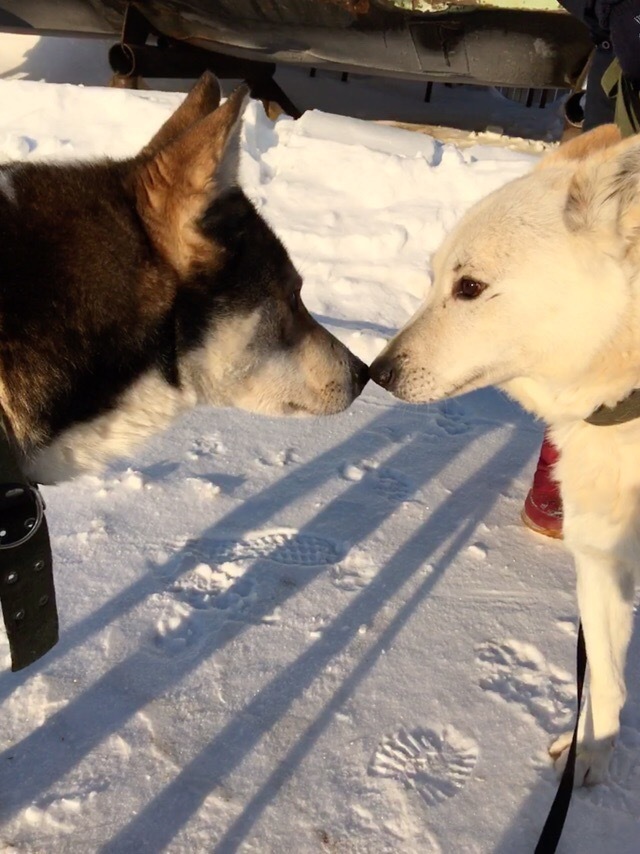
(537, 291)
(132, 290)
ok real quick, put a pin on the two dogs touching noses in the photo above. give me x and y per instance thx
(134, 290)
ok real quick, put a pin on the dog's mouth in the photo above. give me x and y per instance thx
(471, 383)
(292, 408)
(494, 375)
(413, 389)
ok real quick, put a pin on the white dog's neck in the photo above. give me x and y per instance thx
(611, 374)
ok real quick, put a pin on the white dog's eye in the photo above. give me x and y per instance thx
(468, 288)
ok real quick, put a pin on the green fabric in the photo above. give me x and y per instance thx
(627, 104)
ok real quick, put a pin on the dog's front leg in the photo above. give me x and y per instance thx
(605, 600)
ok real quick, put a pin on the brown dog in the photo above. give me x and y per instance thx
(133, 290)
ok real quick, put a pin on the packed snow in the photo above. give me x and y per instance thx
(306, 635)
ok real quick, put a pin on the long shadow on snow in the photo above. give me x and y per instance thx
(382, 431)
(252, 513)
(71, 733)
(124, 703)
(400, 568)
(157, 824)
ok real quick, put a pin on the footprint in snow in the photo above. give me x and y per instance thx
(387, 483)
(437, 765)
(177, 633)
(223, 587)
(280, 459)
(621, 791)
(518, 673)
(213, 575)
(284, 546)
(449, 418)
(354, 572)
(206, 446)
(452, 425)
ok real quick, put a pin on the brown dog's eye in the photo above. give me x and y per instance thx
(468, 288)
(294, 300)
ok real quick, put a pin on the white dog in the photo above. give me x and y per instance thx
(537, 291)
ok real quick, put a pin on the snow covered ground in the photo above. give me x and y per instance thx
(324, 635)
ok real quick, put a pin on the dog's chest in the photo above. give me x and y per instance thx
(145, 408)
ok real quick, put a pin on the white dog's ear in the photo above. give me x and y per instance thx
(605, 191)
(583, 146)
(592, 159)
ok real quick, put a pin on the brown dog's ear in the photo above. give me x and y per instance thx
(203, 99)
(174, 188)
(583, 146)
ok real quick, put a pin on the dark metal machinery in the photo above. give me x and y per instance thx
(132, 58)
(504, 43)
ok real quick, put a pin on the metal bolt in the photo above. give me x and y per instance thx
(42, 601)
(38, 566)
(12, 577)
(19, 615)
(13, 493)
(29, 523)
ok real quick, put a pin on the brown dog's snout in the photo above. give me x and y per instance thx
(384, 371)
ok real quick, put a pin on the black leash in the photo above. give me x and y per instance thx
(554, 824)
(27, 593)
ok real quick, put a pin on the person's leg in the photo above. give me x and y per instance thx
(622, 19)
(583, 113)
(542, 511)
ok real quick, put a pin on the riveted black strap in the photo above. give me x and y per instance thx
(27, 593)
(552, 830)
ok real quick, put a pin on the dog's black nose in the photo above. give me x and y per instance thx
(382, 371)
(360, 374)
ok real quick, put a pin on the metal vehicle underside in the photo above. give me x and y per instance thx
(499, 43)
